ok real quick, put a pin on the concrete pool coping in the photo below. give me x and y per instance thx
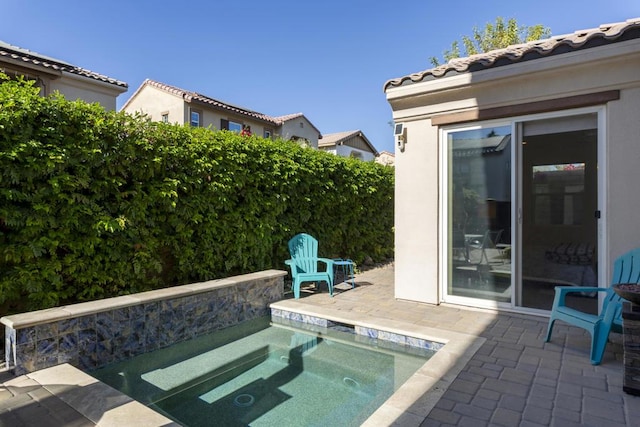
(73, 397)
(413, 401)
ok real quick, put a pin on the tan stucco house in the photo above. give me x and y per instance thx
(386, 158)
(351, 143)
(517, 170)
(53, 75)
(163, 102)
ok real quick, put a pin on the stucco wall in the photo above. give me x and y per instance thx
(416, 218)
(346, 151)
(74, 88)
(623, 124)
(299, 127)
(154, 102)
(612, 67)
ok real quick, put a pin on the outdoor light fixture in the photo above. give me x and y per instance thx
(400, 133)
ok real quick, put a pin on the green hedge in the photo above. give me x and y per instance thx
(96, 204)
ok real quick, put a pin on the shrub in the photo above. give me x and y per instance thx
(96, 203)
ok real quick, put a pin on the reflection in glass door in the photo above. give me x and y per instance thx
(478, 210)
(559, 204)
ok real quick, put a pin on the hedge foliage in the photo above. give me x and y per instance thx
(96, 204)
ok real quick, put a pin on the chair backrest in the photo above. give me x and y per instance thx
(303, 249)
(626, 269)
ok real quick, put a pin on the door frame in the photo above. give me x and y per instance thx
(516, 208)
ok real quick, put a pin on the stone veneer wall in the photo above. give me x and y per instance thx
(93, 334)
(382, 336)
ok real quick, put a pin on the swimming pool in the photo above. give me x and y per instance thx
(262, 373)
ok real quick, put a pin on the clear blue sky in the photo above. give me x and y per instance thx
(325, 58)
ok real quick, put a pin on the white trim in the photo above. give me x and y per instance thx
(604, 274)
(516, 199)
(443, 199)
(516, 214)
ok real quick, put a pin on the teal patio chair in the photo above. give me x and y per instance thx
(626, 269)
(304, 263)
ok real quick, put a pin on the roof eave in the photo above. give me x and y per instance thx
(111, 87)
(580, 41)
(25, 65)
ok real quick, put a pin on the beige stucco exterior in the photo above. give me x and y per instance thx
(417, 222)
(297, 128)
(386, 158)
(156, 102)
(72, 86)
(156, 99)
(346, 151)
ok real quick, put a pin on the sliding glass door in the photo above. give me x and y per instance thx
(520, 210)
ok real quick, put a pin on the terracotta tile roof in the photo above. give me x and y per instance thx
(20, 55)
(189, 96)
(557, 45)
(286, 118)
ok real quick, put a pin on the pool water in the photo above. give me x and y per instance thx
(268, 374)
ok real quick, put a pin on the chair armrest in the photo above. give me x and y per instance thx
(570, 289)
(328, 262)
(562, 291)
(292, 266)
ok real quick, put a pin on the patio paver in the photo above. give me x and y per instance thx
(513, 379)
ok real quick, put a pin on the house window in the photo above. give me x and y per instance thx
(230, 125)
(195, 119)
(165, 117)
(267, 133)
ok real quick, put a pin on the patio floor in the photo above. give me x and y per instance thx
(512, 379)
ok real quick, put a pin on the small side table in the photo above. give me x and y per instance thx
(345, 266)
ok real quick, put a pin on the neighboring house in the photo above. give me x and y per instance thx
(53, 75)
(162, 102)
(348, 144)
(518, 171)
(386, 158)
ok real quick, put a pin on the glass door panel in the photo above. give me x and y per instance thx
(479, 213)
(559, 202)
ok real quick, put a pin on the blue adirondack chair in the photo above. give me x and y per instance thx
(304, 263)
(626, 269)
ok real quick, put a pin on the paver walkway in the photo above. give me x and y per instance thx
(514, 379)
